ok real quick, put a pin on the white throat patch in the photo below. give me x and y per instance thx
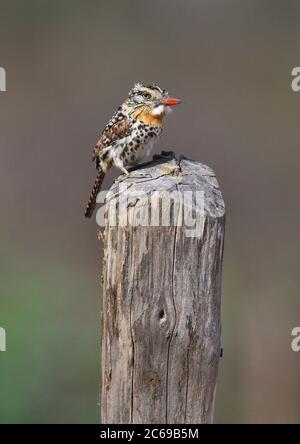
(160, 109)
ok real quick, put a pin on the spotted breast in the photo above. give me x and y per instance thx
(126, 141)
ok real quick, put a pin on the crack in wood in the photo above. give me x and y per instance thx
(161, 302)
(173, 329)
(175, 312)
(132, 344)
(187, 382)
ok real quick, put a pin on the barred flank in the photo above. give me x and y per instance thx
(92, 200)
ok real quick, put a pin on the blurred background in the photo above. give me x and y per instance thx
(69, 64)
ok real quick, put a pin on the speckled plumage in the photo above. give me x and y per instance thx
(130, 134)
(124, 142)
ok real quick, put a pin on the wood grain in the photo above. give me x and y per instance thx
(161, 296)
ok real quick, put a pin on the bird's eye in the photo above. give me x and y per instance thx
(146, 95)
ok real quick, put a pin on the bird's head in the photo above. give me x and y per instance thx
(149, 102)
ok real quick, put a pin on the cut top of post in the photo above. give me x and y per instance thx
(165, 192)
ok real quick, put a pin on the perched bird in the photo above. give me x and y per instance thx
(130, 134)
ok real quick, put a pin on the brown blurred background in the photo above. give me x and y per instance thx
(69, 64)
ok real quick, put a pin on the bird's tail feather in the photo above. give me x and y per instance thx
(96, 188)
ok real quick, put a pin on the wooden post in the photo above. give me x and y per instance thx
(161, 294)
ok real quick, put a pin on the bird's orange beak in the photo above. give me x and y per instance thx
(171, 101)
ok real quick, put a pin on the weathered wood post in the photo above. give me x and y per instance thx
(161, 294)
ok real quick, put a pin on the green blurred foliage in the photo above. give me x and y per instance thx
(50, 370)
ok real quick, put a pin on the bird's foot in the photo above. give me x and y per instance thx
(123, 169)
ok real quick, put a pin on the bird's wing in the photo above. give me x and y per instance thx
(118, 127)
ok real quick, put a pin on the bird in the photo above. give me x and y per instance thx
(130, 134)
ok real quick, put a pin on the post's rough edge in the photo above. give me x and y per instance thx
(166, 173)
